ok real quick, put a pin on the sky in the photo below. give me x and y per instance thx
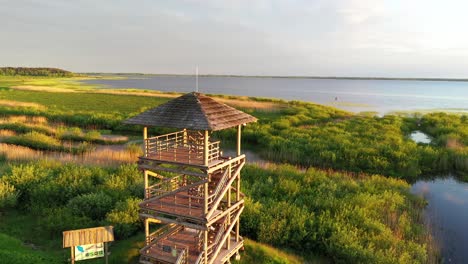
(393, 38)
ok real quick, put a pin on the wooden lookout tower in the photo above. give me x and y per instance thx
(189, 185)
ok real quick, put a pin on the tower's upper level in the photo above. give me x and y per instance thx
(197, 115)
(192, 111)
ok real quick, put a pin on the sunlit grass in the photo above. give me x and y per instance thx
(104, 156)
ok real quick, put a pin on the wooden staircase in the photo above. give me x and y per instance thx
(184, 205)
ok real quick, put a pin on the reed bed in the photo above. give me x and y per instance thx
(24, 119)
(103, 156)
(21, 104)
(7, 133)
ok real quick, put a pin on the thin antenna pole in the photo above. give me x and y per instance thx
(196, 78)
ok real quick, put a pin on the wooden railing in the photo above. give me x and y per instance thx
(181, 146)
(181, 252)
(232, 170)
(163, 232)
(164, 186)
(182, 257)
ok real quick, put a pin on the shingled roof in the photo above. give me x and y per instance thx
(192, 111)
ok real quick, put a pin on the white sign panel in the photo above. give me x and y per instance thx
(89, 251)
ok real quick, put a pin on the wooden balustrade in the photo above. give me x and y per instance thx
(181, 147)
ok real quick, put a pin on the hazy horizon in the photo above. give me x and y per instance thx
(353, 38)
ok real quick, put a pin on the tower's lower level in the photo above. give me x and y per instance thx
(192, 201)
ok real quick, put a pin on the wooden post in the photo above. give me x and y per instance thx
(205, 206)
(205, 148)
(237, 199)
(145, 137)
(72, 255)
(239, 140)
(146, 193)
(106, 251)
(228, 241)
(147, 231)
(205, 248)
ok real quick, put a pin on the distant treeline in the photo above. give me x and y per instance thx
(24, 71)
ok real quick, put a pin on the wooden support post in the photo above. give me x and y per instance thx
(239, 140)
(145, 137)
(106, 251)
(205, 247)
(146, 193)
(228, 241)
(205, 206)
(238, 199)
(205, 148)
(147, 230)
(72, 255)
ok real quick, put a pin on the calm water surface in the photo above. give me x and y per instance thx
(447, 215)
(382, 96)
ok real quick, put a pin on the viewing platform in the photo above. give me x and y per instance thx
(183, 147)
(189, 186)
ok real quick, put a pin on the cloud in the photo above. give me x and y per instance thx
(285, 37)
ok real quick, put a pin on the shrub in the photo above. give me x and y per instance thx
(55, 220)
(92, 205)
(8, 195)
(125, 218)
(25, 178)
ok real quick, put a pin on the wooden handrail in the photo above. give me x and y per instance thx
(183, 146)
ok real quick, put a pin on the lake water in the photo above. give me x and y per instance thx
(381, 96)
(447, 215)
(420, 137)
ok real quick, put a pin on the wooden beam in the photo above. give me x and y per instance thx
(239, 140)
(155, 160)
(147, 231)
(238, 196)
(205, 247)
(175, 221)
(205, 148)
(146, 194)
(226, 163)
(155, 167)
(205, 205)
(228, 241)
(145, 137)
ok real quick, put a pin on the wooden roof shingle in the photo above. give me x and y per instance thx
(193, 111)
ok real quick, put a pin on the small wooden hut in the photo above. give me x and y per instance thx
(190, 187)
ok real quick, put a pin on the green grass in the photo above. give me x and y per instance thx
(256, 252)
(84, 102)
(13, 251)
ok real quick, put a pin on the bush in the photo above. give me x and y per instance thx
(8, 195)
(58, 219)
(26, 178)
(125, 218)
(92, 205)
